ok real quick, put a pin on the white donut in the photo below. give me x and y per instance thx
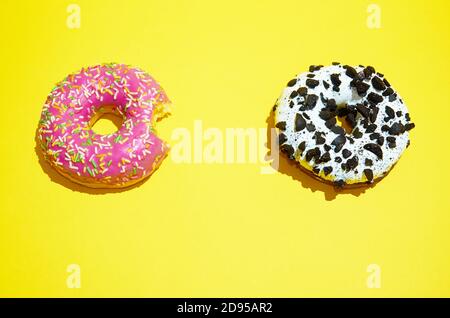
(308, 132)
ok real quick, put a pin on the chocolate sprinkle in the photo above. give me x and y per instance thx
(326, 114)
(338, 148)
(335, 79)
(388, 91)
(327, 170)
(313, 68)
(368, 71)
(352, 141)
(365, 123)
(319, 139)
(339, 140)
(350, 71)
(361, 88)
(390, 139)
(369, 174)
(294, 94)
(310, 127)
(282, 138)
(292, 82)
(302, 91)
(373, 114)
(309, 155)
(311, 100)
(311, 83)
(371, 128)
(352, 163)
(356, 133)
(375, 149)
(361, 75)
(395, 129)
(390, 112)
(363, 110)
(378, 84)
(288, 149)
(281, 125)
(300, 122)
(331, 122)
(313, 153)
(325, 157)
(346, 153)
(392, 97)
(331, 104)
(375, 98)
(409, 126)
(368, 162)
(302, 146)
(338, 130)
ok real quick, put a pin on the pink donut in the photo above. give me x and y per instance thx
(114, 160)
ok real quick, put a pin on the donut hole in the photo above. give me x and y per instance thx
(106, 121)
(340, 121)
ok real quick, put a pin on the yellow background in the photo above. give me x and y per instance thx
(225, 230)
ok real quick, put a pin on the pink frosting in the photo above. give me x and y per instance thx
(116, 159)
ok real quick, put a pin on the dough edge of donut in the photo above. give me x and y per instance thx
(128, 184)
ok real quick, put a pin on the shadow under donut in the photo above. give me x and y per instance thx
(56, 177)
(306, 178)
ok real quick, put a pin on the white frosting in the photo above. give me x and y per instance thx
(346, 95)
